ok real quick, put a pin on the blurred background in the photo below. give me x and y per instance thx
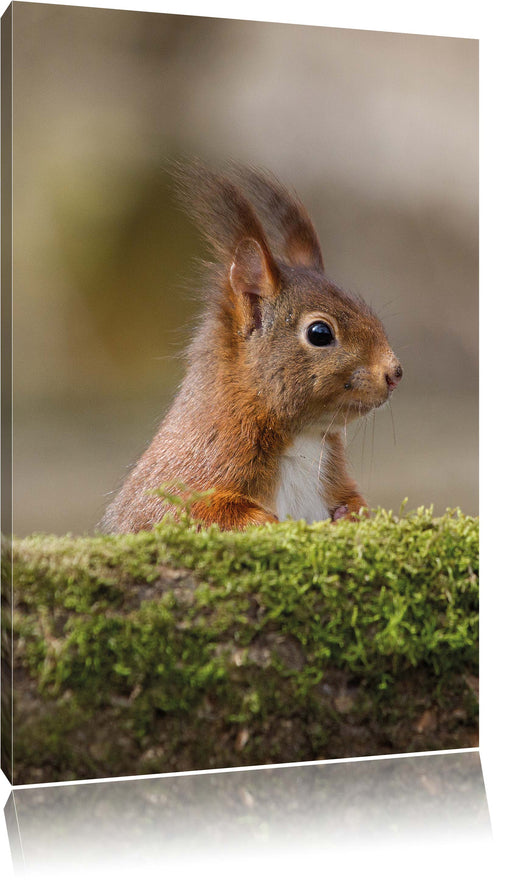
(377, 132)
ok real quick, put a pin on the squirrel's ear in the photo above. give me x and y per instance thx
(253, 278)
(291, 231)
(302, 250)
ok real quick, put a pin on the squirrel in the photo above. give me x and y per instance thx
(283, 360)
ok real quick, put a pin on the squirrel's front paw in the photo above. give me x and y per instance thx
(354, 507)
(231, 511)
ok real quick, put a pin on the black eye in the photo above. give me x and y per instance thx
(319, 334)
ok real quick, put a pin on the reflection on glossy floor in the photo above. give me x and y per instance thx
(245, 820)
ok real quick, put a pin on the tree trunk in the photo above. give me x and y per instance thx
(185, 649)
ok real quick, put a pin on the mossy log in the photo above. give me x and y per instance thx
(185, 649)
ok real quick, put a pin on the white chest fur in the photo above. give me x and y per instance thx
(300, 490)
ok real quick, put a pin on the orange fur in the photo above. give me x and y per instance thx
(256, 383)
(231, 511)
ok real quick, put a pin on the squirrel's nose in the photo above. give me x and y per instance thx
(394, 376)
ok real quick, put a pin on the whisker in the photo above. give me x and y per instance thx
(358, 428)
(372, 451)
(326, 433)
(363, 444)
(388, 303)
(345, 432)
(392, 424)
(382, 311)
(389, 316)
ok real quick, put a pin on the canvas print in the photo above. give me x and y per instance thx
(240, 395)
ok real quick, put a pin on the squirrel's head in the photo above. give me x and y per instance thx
(312, 352)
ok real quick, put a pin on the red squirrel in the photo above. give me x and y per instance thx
(283, 360)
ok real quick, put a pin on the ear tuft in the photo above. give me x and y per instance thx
(291, 231)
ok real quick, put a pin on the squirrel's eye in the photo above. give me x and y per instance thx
(319, 334)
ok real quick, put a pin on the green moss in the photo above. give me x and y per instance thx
(190, 633)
